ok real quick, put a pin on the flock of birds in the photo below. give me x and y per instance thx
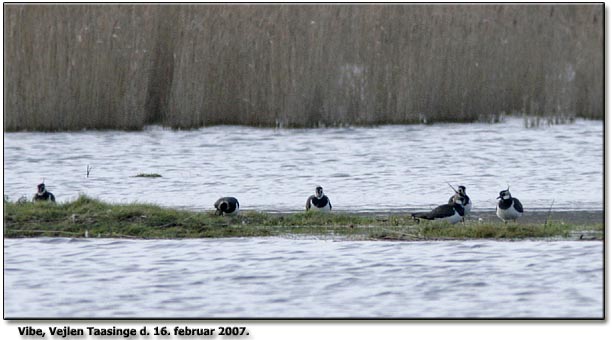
(459, 205)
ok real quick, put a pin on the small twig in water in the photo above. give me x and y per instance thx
(89, 169)
(152, 175)
(456, 192)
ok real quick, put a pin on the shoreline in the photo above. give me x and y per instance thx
(87, 217)
(587, 216)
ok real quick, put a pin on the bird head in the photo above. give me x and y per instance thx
(504, 195)
(319, 192)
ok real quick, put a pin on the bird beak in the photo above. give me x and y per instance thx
(498, 197)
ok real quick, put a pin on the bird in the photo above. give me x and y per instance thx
(451, 212)
(227, 206)
(43, 194)
(318, 201)
(508, 207)
(467, 203)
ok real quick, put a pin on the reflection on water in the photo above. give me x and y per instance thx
(280, 278)
(387, 167)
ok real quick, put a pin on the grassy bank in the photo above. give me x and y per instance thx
(111, 66)
(93, 218)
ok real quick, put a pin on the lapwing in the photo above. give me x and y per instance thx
(451, 212)
(467, 202)
(318, 201)
(43, 194)
(227, 206)
(508, 207)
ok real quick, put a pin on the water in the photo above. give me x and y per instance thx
(361, 169)
(391, 168)
(281, 278)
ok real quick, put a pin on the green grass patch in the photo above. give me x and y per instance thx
(95, 218)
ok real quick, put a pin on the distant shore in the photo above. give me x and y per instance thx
(87, 217)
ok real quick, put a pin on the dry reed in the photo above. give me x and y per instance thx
(71, 67)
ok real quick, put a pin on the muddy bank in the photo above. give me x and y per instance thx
(535, 217)
(488, 216)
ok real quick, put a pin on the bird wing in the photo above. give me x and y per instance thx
(421, 215)
(441, 211)
(517, 205)
(308, 202)
(233, 203)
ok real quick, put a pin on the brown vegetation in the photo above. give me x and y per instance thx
(123, 66)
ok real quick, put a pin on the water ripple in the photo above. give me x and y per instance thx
(364, 169)
(239, 278)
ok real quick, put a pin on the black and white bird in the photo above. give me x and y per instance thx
(508, 207)
(467, 202)
(451, 212)
(227, 206)
(43, 194)
(318, 201)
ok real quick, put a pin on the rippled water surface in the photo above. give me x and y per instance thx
(280, 278)
(361, 169)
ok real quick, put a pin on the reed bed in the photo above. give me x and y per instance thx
(71, 67)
